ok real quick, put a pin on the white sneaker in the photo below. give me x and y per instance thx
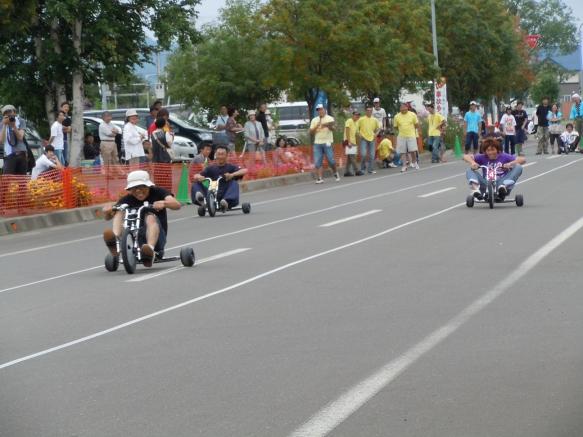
(337, 177)
(199, 197)
(392, 165)
(416, 165)
(319, 181)
(403, 169)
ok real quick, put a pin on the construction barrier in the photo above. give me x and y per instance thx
(85, 186)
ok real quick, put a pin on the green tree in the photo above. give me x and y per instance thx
(340, 46)
(545, 85)
(481, 51)
(230, 66)
(66, 43)
(552, 19)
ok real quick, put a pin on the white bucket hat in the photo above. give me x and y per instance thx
(137, 178)
(131, 112)
(250, 113)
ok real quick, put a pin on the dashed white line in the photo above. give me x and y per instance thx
(337, 411)
(198, 262)
(353, 217)
(423, 196)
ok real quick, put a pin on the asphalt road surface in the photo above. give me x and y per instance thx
(377, 306)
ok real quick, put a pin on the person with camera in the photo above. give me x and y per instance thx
(12, 137)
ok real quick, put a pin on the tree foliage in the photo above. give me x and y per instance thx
(230, 66)
(552, 19)
(481, 50)
(545, 85)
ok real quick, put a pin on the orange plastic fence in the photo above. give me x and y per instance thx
(85, 186)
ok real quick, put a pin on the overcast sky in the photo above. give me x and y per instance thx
(209, 9)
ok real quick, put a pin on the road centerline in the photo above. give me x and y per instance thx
(434, 193)
(353, 217)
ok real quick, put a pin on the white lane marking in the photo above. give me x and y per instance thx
(252, 228)
(278, 199)
(528, 164)
(423, 196)
(337, 411)
(202, 261)
(554, 156)
(347, 219)
(226, 289)
(291, 218)
(48, 246)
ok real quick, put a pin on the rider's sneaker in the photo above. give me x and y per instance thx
(110, 241)
(147, 253)
(502, 191)
(224, 205)
(337, 177)
(199, 197)
(319, 181)
(477, 194)
(416, 165)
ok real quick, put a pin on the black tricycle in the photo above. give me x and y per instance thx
(489, 196)
(128, 248)
(211, 203)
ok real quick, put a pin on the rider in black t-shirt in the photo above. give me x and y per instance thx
(152, 234)
(228, 192)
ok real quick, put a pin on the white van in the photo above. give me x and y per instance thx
(292, 117)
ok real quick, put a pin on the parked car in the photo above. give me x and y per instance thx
(199, 135)
(184, 148)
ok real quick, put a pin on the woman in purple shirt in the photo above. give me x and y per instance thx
(508, 169)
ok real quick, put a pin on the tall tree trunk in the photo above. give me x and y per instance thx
(59, 88)
(50, 103)
(76, 143)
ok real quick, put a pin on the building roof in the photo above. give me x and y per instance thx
(570, 61)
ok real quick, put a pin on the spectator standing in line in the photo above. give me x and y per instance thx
(379, 113)
(12, 136)
(90, 149)
(262, 118)
(367, 128)
(407, 123)
(555, 129)
(254, 139)
(350, 144)
(151, 117)
(472, 125)
(46, 162)
(162, 155)
(132, 139)
(162, 113)
(232, 128)
(57, 139)
(521, 118)
(436, 123)
(67, 129)
(508, 126)
(322, 127)
(543, 127)
(577, 112)
(107, 134)
(220, 136)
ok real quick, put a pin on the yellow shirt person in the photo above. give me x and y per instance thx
(350, 128)
(435, 121)
(385, 149)
(406, 124)
(368, 126)
(323, 134)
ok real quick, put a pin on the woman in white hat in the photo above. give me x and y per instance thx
(132, 139)
(254, 138)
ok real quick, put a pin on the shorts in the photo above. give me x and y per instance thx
(160, 244)
(406, 144)
(319, 151)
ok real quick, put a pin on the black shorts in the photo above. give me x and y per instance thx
(160, 244)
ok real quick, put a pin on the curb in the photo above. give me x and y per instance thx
(15, 225)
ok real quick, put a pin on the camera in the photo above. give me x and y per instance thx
(12, 119)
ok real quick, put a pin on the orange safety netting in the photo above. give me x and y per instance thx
(86, 186)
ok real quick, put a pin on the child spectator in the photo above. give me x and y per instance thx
(569, 140)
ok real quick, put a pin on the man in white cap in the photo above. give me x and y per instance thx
(577, 112)
(132, 139)
(152, 234)
(379, 113)
(322, 127)
(472, 125)
(12, 137)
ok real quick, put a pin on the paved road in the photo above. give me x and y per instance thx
(417, 317)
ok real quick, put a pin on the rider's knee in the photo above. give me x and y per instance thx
(152, 220)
